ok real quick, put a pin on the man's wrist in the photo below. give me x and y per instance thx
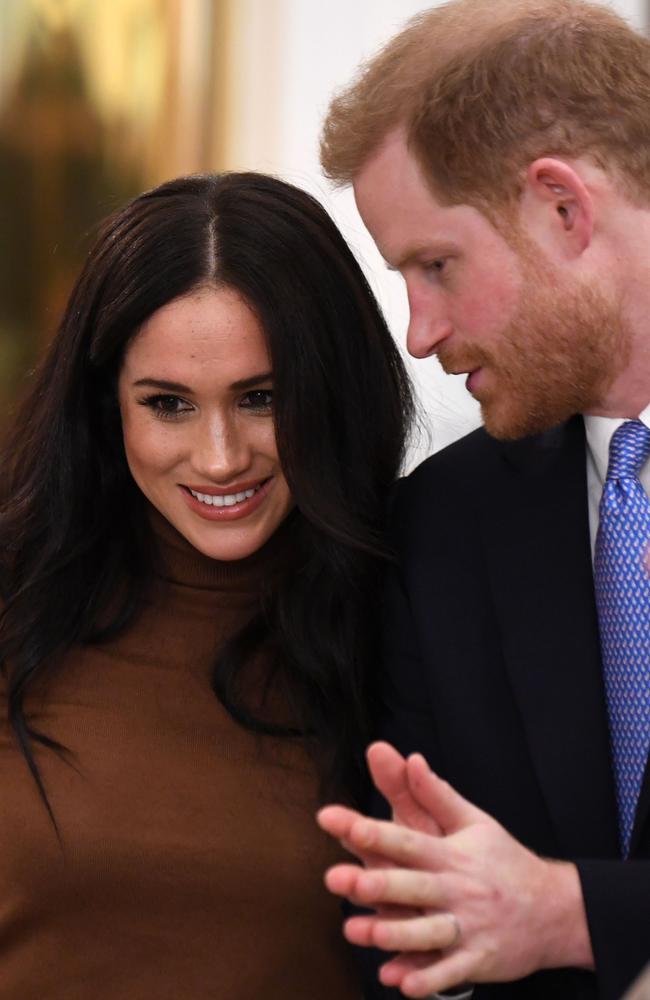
(566, 937)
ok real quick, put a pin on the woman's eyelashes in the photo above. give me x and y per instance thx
(165, 406)
(169, 407)
(258, 400)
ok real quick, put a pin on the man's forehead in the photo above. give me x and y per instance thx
(390, 155)
(404, 218)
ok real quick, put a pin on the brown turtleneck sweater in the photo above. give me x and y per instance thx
(191, 866)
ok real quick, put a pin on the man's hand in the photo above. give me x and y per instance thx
(486, 908)
(389, 772)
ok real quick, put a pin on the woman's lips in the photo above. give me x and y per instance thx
(227, 511)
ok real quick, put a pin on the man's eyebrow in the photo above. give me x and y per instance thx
(441, 248)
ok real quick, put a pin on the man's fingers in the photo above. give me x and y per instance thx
(444, 973)
(438, 798)
(388, 770)
(387, 887)
(365, 857)
(337, 820)
(342, 880)
(398, 844)
(420, 975)
(360, 929)
(418, 933)
(392, 973)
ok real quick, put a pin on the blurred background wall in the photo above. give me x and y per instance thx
(100, 99)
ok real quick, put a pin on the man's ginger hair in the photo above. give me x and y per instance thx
(485, 87)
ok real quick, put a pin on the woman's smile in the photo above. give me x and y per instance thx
(236, 502)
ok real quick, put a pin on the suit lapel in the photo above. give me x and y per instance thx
(536, 538)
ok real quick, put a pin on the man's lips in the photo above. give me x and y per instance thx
(473, 375)
(473, 367)
(473, 380)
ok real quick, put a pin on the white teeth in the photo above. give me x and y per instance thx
(227, 500)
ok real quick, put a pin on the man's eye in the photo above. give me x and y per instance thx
(260, 400)
(166, 407)
(436, 265)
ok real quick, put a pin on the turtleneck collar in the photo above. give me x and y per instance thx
(180, 563)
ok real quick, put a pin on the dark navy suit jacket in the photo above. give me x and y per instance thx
(492, 670)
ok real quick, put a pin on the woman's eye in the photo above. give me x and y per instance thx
(166, 407)
(260, 400)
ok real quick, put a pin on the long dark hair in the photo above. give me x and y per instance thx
(75, 545)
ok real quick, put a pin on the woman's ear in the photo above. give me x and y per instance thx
(556, 208)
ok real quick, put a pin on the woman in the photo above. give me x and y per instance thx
(190, 536)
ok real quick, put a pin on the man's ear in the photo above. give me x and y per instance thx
(556, 208)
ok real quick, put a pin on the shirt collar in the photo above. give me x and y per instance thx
(599, 432)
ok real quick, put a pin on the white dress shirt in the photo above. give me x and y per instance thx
(599, 432)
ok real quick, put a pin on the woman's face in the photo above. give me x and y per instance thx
(195, 394)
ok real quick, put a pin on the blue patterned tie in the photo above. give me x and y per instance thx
(623, 601)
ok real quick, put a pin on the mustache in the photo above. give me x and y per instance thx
(464, 359)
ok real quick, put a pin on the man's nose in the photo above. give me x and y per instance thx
(426, 332)
(429, 322)
(222, 451)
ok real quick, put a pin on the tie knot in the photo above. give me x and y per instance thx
(628, 450)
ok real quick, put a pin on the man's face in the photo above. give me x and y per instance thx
(537, 346)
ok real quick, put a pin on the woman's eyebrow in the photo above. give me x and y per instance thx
(252, 380)
(161, 383)
(244, 383)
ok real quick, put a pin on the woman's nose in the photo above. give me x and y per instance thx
(222, 451)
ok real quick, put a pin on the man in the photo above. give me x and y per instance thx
(500, 156)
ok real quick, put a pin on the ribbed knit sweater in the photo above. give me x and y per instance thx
(190, 866)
